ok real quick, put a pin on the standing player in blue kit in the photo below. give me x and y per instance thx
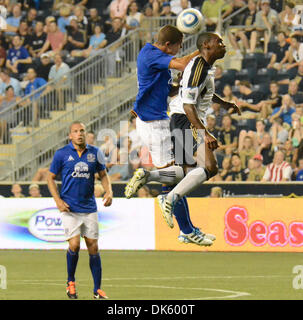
(78, 162)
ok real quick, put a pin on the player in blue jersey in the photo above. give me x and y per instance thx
(155, 83)
(77, 163)
(188, 109)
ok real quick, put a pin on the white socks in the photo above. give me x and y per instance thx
(191, 181)
(170, 175)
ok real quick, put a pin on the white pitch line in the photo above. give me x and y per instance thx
(234, 294)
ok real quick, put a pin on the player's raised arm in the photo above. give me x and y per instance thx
(181, 63)
(108, 196)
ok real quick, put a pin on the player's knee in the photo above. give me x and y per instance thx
(93, 248)
(74, 247)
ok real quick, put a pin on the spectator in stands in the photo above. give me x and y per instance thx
(63, 20)
(109, 149)
(247, 151)
(266, 19)
(144, 192)
(211, 125)
(228, 94)
(299, 171)
(23, 32)
(295, 55)
(179, 5)
(17, 58)
(278, 170)
(245, 33)
(134, 17)
(34, 82)
(7, 116)
(118, 9)
(224, 171)
(59, 74)
(298, 77)
(48, 21)
(74, 38)
(31, 19)
(7, 81)
(278, 133)
(99, 190)
(115, 31)
(122, 170)
(220, 81)
(54, 41)
(91, 138)
(166, 10)
(296, 96)
(285, 111)
(37, 39)
(93, 20)
(44, 66)
(81, 19)
(218, 112)
(288, 150)
(227, 136)
(216, 192)
(279, 52)
(212, 9)
(97, 41)
(14, 21)
(272, 101)
(2, 51)
(248, 101)
(258, 170)
(288, 18)
(16, 190)
(236, 172)
(59, 69)
(266, 149)
(34, 191)
(296, 132)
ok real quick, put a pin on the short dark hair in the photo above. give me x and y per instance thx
(204, 37)
(170, 34)
(9, 87)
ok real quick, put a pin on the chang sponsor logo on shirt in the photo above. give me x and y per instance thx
(81, 170)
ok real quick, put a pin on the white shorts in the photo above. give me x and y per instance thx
(156, 136)
(83, 224)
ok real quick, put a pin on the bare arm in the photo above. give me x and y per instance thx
(108, 196)
(192, 115)
(181, 63)
(226, 105)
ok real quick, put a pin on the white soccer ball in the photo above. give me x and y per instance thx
(190, 21)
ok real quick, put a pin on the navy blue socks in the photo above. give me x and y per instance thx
(96, 269)
(72, 260)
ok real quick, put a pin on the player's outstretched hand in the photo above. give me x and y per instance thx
(107, 199)
(233, 106)
(211, 141)
(62, 206)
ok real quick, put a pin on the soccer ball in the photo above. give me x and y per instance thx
(190, 21)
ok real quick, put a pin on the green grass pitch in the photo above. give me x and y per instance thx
(150, 275)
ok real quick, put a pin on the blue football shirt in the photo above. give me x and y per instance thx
(154, 79)
(78, 176)
(18, 54)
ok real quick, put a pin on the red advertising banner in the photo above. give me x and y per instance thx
(240, 224)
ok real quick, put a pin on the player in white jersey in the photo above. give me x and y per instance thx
(196, 95)
(188, 110)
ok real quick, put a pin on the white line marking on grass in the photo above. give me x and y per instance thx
(232, 295)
